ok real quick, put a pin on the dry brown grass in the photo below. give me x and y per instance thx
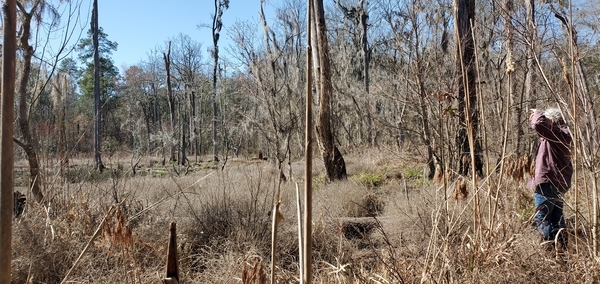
(418, 232)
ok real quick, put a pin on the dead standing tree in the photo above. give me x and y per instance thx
(274, 80)
(358, 16)
(335, 166)
(171, 100)
(217, 25)
(187, 64)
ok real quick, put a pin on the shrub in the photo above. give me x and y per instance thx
(370, 179)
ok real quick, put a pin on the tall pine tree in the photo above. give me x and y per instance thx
(98, 80)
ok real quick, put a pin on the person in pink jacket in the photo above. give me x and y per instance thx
(553, 171)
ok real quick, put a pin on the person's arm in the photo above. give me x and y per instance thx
(537, 120)
(544, 128)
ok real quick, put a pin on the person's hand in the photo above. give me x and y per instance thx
(533, 110)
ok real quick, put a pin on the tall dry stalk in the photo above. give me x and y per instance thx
(510, 68)
(300, 233)
(585, 139)
(589, 151)
(579, 94)
(575, 139)
(277, 217)
(471, 140)
(483, 131)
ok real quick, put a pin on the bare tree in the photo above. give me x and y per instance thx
(154, 73)
(137, 87)
(187, 63)
(530, 53)
(278, 82)
(171, 100)
(28, 144)
(29, 94)
(335, 165)
(217, 25)
(61, 87)
(358, 15)
(9, 47)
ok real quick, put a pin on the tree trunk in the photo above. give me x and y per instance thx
(530, 53)
(335, 166)
(6, 148)
(467, 97)
(61, 114)
(171, 100)
(364, 42)
(193, 129)
(510, 86)
(28, 143)
(146, 112)
(97, 104)
(156, 119)
(217, 24)
(422, 95)
(213, 100)
(182, 125)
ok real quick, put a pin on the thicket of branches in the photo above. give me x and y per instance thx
(406, 95)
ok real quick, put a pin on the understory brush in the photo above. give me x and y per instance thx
(378, 226)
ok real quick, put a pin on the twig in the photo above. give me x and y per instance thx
(165, 199)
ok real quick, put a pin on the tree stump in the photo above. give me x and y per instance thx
(172, 263)
(356, 228)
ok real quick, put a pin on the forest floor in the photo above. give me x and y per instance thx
(387, 223)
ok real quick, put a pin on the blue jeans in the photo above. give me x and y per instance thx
(549, 205)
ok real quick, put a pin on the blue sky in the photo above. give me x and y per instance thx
(138, 26)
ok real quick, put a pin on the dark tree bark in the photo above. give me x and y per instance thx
(335, 166)
(6, 154)
(464, 14)
(97, 104)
